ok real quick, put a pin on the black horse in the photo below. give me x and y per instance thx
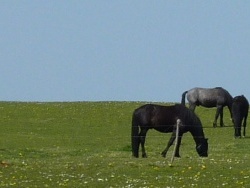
(163, 119)
(240, 108)
(214, 97)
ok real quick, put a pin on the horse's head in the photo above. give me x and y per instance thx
(202, 148)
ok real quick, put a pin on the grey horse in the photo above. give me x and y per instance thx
(209, 97)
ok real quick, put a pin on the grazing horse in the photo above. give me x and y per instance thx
(209, 97)
(240, 108)
(163, 119)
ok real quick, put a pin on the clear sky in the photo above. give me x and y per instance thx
(122, 50)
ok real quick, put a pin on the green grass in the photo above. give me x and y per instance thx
(87, 144)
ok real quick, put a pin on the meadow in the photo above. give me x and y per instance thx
(87, 144)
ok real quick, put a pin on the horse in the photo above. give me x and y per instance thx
(240, 108)
(209, 97)
(163, 119)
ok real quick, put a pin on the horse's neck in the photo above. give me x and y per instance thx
(198, 135)
(230, 108)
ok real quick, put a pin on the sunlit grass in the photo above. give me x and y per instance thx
(87, 144)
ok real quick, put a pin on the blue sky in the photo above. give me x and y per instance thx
(118, 50)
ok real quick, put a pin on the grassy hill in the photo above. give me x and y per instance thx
(87, 144)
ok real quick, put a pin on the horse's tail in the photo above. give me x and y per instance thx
(135, 140)
(183, 98)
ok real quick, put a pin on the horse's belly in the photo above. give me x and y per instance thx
(208, 103)
(164, 128)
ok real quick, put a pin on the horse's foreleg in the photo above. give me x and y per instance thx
(237, 132)
(177, 153)
(170, 143)
(221, 117)
(237, 127)
(192, 107)
(218, 112)
(142, 141)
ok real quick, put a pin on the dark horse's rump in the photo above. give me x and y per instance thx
(240, 108)
(163, 119)
(209, 97)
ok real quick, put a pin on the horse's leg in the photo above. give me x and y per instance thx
(170, 143)
(177, 153)
(237, 133)
(221, 117)
(192, 106)
(218, 112)
(244, 126)
(142, 141)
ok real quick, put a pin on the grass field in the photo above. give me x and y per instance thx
(87, 144)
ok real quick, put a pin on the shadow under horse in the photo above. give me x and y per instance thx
(164, 119)
(240, 109)
(209, 97)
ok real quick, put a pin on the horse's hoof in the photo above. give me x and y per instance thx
(163, 155)
(135, 155)
(144, 156)
(177, 155)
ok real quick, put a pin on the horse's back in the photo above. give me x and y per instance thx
(240, 103)
(240, 108)
(193, 95)
(241, 99)
(209, 97)
(143, 113)
(159, 114)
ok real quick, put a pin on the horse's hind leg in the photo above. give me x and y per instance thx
(142, 141)
(192, 106)
(244, 126)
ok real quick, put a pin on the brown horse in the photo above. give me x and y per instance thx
(163, 119)
(239, 113)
